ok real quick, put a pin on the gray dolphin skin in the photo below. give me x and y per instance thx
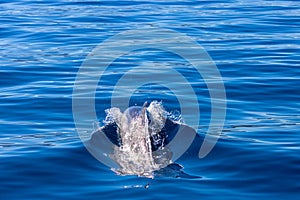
(141, 131)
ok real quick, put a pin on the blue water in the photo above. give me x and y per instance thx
(256, 46)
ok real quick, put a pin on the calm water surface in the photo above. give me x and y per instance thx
(255, 44)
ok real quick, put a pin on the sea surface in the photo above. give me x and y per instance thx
(255, 45)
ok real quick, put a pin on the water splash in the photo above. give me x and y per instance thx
(136, 126)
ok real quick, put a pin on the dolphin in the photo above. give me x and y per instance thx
(137, 141)
(158, 140)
